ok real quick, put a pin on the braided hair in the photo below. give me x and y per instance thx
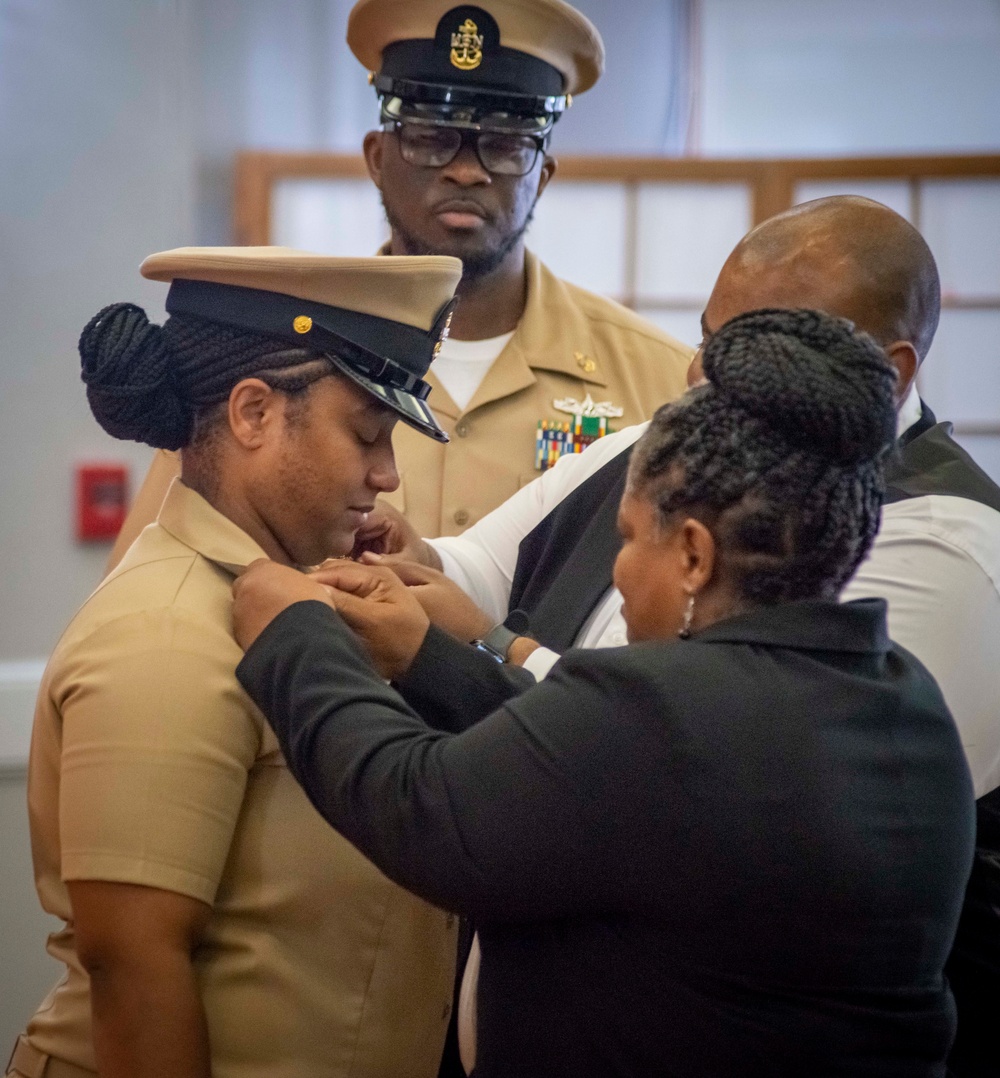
(780, 454)
(154, 384)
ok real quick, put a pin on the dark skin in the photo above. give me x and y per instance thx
(847, 256)
(463, 210)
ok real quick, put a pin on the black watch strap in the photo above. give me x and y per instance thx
(496, 643)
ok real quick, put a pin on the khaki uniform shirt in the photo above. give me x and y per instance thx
(569, 343)
(150, 765)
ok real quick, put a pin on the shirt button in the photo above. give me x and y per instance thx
(462, 430)
(461, 517)
(619, 638)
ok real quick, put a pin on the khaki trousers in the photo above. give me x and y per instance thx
(28, 1062)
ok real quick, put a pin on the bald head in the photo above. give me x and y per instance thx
(845, 255)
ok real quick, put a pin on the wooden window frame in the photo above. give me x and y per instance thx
(771, 181)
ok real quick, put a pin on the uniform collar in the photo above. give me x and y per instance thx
(194, 522)
(553, 332)
(811, 625)
(552, 335)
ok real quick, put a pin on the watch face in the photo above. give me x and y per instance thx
(496, 656)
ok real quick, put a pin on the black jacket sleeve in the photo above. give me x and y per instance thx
(499, 822)
(451, 685)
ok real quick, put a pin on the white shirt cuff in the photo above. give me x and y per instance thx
(540, 662)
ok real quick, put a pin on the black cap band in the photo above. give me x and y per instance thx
(465, 57)
(361, 340)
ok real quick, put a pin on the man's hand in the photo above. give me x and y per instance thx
(379, 607)
(387, 531)
(263, 590)
(444, 602)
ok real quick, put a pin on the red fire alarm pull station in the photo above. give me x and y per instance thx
(101, 500)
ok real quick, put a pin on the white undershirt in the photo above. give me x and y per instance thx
(461, 366)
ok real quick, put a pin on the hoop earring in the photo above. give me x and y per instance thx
(685, 629)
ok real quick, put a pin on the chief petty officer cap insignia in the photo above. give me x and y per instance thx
(379, 321)
(506, 65)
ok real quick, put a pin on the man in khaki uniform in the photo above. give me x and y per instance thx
(213, 923)
(469, 95)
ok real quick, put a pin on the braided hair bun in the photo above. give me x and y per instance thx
(810, 378)
(127, 365)
(781, 453)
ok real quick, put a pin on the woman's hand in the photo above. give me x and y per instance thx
(444, 602)
(380, 608)
(263, 590)
(387, 531)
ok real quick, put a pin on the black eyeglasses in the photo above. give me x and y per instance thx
(430, 146)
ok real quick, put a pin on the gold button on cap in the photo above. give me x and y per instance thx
(461, 517)
(302, 324)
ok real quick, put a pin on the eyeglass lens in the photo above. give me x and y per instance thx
(435, 147)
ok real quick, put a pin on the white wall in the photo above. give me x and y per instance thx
(849, 77)
(96, 171)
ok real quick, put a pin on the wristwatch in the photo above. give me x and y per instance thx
(496, 643)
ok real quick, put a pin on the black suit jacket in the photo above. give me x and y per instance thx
(564, 568)
(737, 855)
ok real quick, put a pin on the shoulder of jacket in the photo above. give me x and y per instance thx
(604, 313)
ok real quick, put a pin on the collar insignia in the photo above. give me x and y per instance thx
(445, 332)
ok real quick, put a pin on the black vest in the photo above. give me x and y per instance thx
(564, 565)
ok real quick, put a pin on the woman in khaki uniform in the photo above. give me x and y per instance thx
(213, 924)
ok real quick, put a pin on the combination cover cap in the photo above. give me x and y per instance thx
(380, 321)
(524, 57)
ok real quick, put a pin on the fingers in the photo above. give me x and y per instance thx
(358, 579)
(410, 572)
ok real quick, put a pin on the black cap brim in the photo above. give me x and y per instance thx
(412, 410)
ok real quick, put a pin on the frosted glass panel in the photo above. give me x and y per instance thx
(579, 233)
(892, 193)
(960, 379)
(686, 231)
(685, 325)
(331, 217)
(984, 450)
(960, 219)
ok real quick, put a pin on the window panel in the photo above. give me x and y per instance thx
(686, 231)
(892, 193)
(579, 233)
(331, 217)
(960, 378)
(682, 323)
(960, 219)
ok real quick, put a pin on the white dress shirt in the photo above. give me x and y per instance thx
(936, 560)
